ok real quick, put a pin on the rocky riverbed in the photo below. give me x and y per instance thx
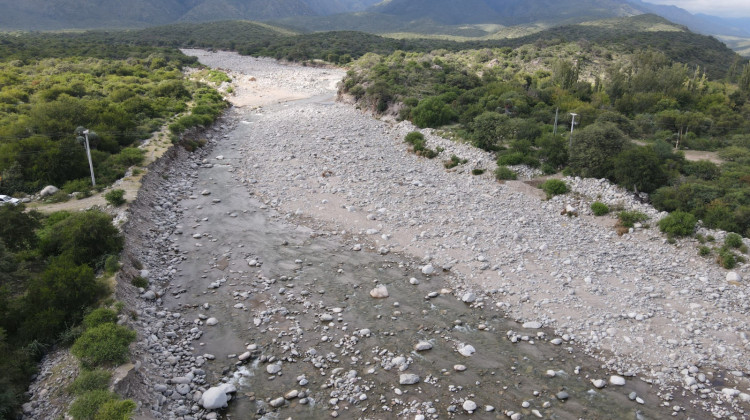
(313, 266)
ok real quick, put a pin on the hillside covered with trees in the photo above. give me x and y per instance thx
(636, 111)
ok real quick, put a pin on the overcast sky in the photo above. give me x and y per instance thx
(726, 8)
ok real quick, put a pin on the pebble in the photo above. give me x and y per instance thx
(617, 380)
(408, 379)
(470, 406)
(379, 292)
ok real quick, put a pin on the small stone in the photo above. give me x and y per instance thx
(244, 356)
(291, 394)
(273, 369)
(599, 383)
(428, 269)
(413, 281)
(459, 368)
(212, 321)
(379, 292)
(551, 373)
(466, 350)
(423, 346)
(278, 402)
(562, 396)
(205, 192)
(408, 379)
(469, 298)
(532, 325)
(617, 380)
(470, 406)
(734, 276)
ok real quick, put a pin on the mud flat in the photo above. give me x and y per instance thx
(271, 252)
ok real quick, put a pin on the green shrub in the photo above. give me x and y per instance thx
(704, 251)
(710, 238)
(503, 173)
(100, 316)
(58, 197)
(90, 380)
(115, 410)
(455, 161)
(111, 264)
(86, 406)
(726, 259)
(678, 223)
(599, 208)
(477, 171)
(733, 240)
(85, 237)
(115, 197)
(628, 219)
(139, 281)
(82, 185)
(514, 158)
(553, 187)
(105, 344)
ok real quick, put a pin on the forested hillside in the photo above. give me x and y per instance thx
(505, 100)
(51, 87)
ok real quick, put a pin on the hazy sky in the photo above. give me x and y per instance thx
(726, 8)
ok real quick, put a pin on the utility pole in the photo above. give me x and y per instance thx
(572, 125)
(88, 153)
(557, 113)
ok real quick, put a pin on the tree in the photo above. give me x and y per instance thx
(565, 74)
(84, 237)
(17, 227)
(432, 112)
(639, 169)
(490, 129)
(593, 150)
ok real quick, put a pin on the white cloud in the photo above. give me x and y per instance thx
(727, 8)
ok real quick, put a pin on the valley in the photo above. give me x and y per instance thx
(275, 249)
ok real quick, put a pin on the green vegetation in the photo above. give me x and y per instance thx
(115, 197)
(103, 345)
(628, 219)
(419, 145)
(455, 161)
(503, 173)
(599, 208)
(704, 251)
(90, 380)
(553, 187)
(51, 87)
(733, 240)
(637, 110)
(47, 283)
(101, 405)
(139, 281)
(678, 223)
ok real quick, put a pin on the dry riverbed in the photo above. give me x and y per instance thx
(310, 263)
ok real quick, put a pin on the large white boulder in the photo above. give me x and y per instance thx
(49, 190)
(214, 398)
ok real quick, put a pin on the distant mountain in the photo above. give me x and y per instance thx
(506, 12)
(73, 14)
(700, 23)
(740, 25)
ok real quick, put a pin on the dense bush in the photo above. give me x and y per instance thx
(733, 240)
(678, 223)
(628, 219)
(115, 197)
(99, 316)
(553, 187)
(101, 405)
(104, 345)
(503, 173)
(599, 208)
(84, 237)
(639, 169)
(594, 148)
(90, 380)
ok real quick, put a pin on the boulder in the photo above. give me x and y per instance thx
(214, 398)
(49, 190)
